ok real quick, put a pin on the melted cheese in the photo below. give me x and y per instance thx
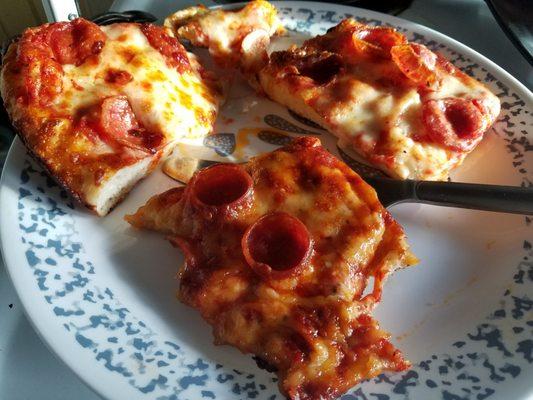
(66, 131)
(314, 326)
(222, 31)
(225, 28)
(163, 100)
(371, 106)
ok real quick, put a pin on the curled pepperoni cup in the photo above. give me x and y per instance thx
(489, 106)
(454, 123)
(76, 41)
(119, 125)
(416, 62)
(277, 246)
(221, 185)
(380, 38)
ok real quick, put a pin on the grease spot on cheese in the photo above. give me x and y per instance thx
(156, 75)
(126, 54)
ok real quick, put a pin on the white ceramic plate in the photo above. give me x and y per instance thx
(102, 295)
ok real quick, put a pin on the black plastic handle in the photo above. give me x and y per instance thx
(509, 199)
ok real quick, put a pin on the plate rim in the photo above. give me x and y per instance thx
(39, 325)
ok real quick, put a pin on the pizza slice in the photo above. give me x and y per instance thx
(235, 38)
(403, 108)
(99, 106)
(278, 256)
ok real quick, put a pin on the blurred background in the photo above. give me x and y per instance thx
(16, 15)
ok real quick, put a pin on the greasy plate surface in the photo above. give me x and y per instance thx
(102, 294)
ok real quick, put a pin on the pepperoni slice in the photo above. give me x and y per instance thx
(455, 123)
(221, 189)
(44, 80)
(118, 122)
(34, 44)
(64, 42)
(74, 42)
(277, 246)
(168, 46)
(416, 62)
(89, 38)
(349, 37)
(444, 64)
(42, 50)
(377, 40)
(114, 122)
